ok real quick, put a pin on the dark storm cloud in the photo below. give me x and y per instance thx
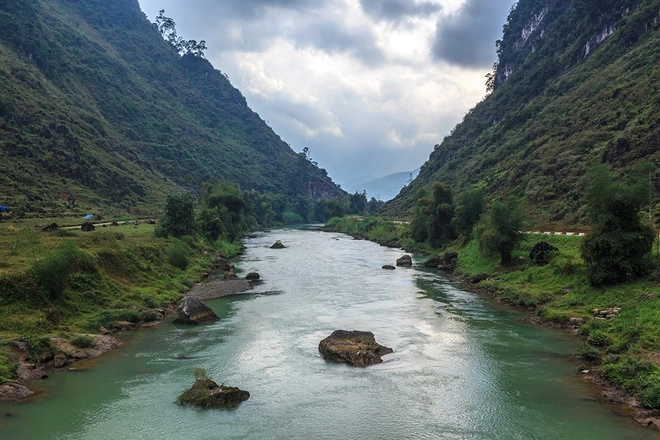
(395, 10)
(249, 9)
(333, 37)
(467, 38)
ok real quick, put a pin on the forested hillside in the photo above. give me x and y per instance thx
(577, 81)
(94, 103)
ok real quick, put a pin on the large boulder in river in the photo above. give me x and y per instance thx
(357, 348)
(208, 394)
(277, 245)
(406, 261)
(193, 311)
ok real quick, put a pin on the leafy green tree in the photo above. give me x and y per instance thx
(358, 203)
(222, 211)
(179, 217)
(499, 230)
(374, 205)
(618, 247)
(469, 207)
(432, 218)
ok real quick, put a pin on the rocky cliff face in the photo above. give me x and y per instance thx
(570, 28)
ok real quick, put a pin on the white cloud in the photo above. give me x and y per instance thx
(364, 84)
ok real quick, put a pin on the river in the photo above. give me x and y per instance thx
(463, 367)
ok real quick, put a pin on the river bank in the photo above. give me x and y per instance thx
(61, 354)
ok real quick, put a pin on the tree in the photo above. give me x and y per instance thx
(468, 210)
(431, 222)
(619, 245)
(499, 231)
(222, 211)
(167, 28)
(179, 217)
(358, 203)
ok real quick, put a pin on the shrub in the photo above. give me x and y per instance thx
(650, 396)
(599, 338)
(177, 254)
(589, 352)
(7, 367)
(51, 273)
(82, 341)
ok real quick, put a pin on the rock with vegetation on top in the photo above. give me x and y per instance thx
(406, 261)
(208, 394)
(193, 311)
(277, 245)
(357, 348)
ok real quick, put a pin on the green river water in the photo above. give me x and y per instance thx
(463, 366)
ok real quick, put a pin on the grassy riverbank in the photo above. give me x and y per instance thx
(620, 324)
(68, 282)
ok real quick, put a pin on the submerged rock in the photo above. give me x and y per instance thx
(388, 267)
(357, 348)
(208, 394)
(193, 311)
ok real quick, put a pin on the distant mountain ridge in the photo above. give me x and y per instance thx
(385, 188)
(93, 102)
(576, 81)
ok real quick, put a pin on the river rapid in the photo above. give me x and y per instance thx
(463, 367)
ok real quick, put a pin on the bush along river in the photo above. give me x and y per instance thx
(462, 366)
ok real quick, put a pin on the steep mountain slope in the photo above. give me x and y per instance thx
(93, 102)
(576, 81)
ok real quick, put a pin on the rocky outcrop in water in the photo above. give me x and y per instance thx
(277, 245)
(208, 394)
(357, 348)
(405, 261)
(193, 311)
(13, 391)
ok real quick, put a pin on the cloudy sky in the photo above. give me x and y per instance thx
(369, 86)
